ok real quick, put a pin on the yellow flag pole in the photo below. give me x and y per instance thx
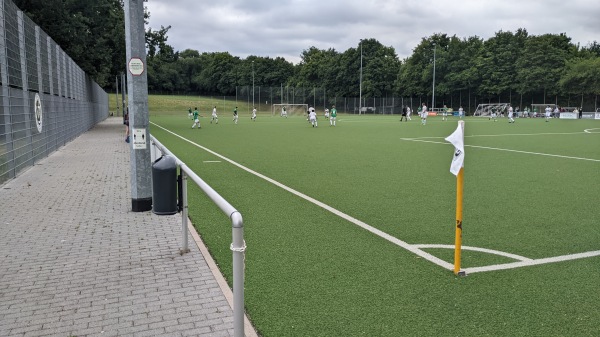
(459, 213)
(459, 218)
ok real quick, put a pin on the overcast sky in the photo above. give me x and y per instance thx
(287, 27)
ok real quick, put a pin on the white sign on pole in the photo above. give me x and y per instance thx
(139, 139)
(136, 66)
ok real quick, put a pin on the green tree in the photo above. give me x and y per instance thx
(542, 63)
(91, 33)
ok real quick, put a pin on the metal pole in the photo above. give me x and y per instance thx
(238, 246)
(360, 80)
(135, 43)
(117, 93)
(123, 92)
(433, 98)
(184, 212)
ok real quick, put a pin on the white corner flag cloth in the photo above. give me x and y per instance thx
(457, 139)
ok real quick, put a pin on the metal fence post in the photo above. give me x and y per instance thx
(238, 246)
(184, 213)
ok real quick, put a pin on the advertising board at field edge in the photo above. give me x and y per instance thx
(568, 115)
(597, 115)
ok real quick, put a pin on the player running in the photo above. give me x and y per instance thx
(196, 120)
(235, 115)
(312, 117)
(510, 114)
(214, 116)
(253, 118)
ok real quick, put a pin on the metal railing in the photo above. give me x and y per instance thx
(238, 245)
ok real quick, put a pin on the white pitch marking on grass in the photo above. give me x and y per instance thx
(535, 262)
(211, 161)
(509, 134)
(590, 130)
(507, 150)
(345, 216)
(477, 249)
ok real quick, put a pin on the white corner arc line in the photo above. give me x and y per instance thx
(532, 262)
(476, 249)
(507, 150)
(345, 216)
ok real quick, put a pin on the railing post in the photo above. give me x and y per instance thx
(238, 246)
(184, 212)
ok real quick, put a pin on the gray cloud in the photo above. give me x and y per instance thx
(286, 28)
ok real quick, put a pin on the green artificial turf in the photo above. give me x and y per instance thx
(311, 273)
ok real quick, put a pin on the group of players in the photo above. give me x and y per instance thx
(311, 116)
(194, 115)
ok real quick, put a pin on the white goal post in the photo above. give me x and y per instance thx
(486, 109)
(291, 109)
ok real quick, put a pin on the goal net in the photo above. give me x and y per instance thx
(291, 109)
(486, 109)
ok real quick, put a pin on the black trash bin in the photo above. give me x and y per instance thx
(164, 186)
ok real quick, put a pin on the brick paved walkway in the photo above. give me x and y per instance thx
(75, 261)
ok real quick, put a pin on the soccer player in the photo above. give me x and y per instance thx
(326, 113)
(312, 117)
(196, 120)
(235, 115)
(332, 116)
(548, 112)
(284, 112)
(408, 112)
(310, 111)
(214, 116)
(403, 116)
(424, 114)
(461, 112)
(510, 114)
(494, 115)
(190, 113)
(253, 118)
(445, 113)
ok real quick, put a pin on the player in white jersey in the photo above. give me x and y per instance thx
(548, 112)
(510, 114)
(312, 117)
(283, 112)
(214, 116)
(461, 112)
(253, 118)
(424, 114)
(326, 113)
(408, 112)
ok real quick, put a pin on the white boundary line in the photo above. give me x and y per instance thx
(415, 249)
(513, 134)
(532, 262)
(507, 150)
(477, 249)
(345, 216)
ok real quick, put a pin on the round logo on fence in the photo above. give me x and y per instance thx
(136, 66)
(38, 112)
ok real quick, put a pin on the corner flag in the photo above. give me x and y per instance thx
(457, 139)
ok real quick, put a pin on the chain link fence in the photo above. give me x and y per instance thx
(47, 100)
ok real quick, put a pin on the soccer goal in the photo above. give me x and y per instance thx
(291, 109)
(486, 109)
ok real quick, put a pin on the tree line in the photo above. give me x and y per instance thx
(509, 66)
